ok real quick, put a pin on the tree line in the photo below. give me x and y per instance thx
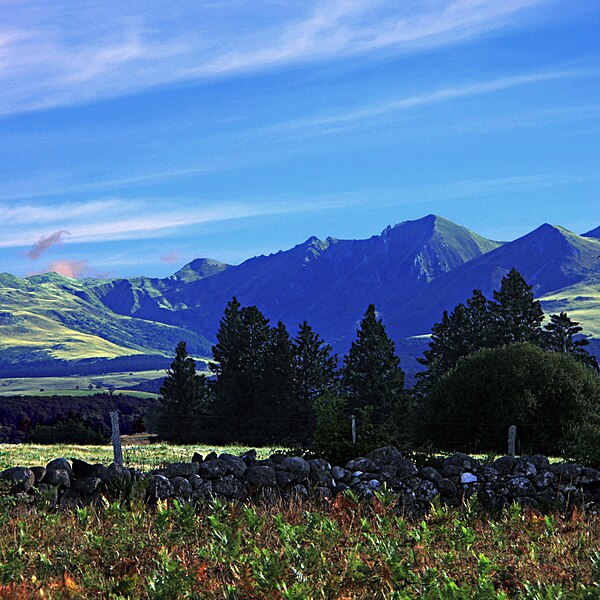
(269, 387)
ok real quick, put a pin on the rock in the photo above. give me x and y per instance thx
(211, 456)
(321, 478)
(318, 463)
(341, 475)
(87, 486)
(230, 488)
(447, 488)
(249, 457)
(235, 465)
(505, 464)
(426, 491)
(297, 466)
(374, 484)
(363, 491)
(38, 473)
(589, 476)
(463, 461)
(180, 469)
(467, 478)
(322, 493)
(204, 490)
(81, 469)
(57, 477)
(544, 479)
(566, 471)
(160, 487)
(361, 464)
(520, 486)
(70, 498)
(60, 463)
(284, 478)
(212, 469)
(195, 481)
(197, 458)
(182, 488)
(20, 479)
(404, 468)
(296, 491)
(261, 476)
(116, 476)
(541, 462)
(452, 471)
(430, 474)
(524, 468)
(385, 456)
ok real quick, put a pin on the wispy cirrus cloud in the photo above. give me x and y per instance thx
(54, 54)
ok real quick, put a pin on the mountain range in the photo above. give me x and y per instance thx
(411, 272)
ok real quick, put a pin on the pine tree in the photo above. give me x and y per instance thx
(240, 355)
(558, 336)
(373, 380)
(183, 396)
(278, 381)
(517, 316)
(314, 370)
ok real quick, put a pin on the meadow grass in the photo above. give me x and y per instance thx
(142, 456)
(296, 550)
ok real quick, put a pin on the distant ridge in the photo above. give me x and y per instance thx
(411, 271)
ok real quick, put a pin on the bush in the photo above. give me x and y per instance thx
(333, 434)
(582, 443)
(67, 432)
(545, 394)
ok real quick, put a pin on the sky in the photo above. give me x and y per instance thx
(137, 136)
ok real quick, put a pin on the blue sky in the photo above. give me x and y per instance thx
(137, 136)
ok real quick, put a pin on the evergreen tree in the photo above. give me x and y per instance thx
(314, 370)
(184, 396)
(517, 316)
(558, 336)
(373, 380)
(240, 355)
(278, 379)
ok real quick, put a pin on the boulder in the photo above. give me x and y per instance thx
(505, 464)
(212, 469)
(60, 463)
(235, 465)
(203, 491)
(81, 468)
(195, 481)
(20, 479)
(520, 486)
(284, 478)
(385, 456)
(70, 498)
(230, 488)
(463, 461)
(38, 473)
(182, 488)
(261, 476)
(361, 464)
(87, 486)
(57, 477)
(467, 478)
(298, 467)
(341, 475)
(160, 487)
(197, 457)
(296, 492)
(180, 469)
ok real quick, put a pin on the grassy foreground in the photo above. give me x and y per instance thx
(296, 551)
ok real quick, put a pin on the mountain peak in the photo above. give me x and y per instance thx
(594, 233)
(200, 268)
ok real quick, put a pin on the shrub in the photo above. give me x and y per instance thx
(67, 432)
(544, 393)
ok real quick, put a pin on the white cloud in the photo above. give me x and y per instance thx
(62, 53)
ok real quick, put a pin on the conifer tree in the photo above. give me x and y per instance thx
(372, 378)
(184, 396)
(517, 316)
(558, 336)
(314, 370)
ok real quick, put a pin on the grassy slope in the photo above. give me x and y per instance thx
(54, 317)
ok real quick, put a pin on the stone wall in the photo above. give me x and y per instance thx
(529, 480)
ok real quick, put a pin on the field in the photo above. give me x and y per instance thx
(76, 385)
(143, 456)
(295, 550)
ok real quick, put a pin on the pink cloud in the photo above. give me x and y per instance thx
(170, 258)
(69, 268)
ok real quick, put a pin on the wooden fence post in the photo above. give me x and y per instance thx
(116, 437)
(512, 440)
